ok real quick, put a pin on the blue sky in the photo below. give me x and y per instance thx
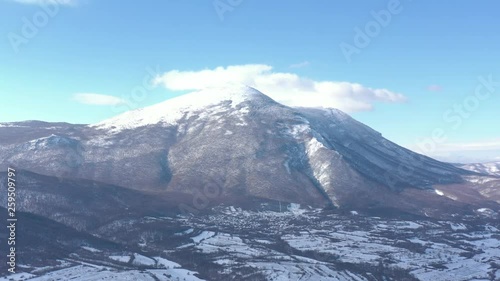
(419, 63)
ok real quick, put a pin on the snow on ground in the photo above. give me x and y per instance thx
(269, 245)
(90, 273)
(492, 168)
(230, 244)
(158, 269)
(479, 179)
(359, 247)
(17, 277)
(263, 241)
(141, 260)
(174, 274)
(162, 262)
(457, 226)
(90, 249)
(9, 125)
(462, 270)
(284, 271)
(124, 259)
(204, 235)
(407, 225)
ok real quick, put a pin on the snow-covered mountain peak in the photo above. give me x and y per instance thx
(235, 93)
(172, 110)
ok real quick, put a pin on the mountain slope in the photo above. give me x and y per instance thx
(41, 241)
(81, 204)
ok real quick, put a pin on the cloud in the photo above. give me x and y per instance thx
(300, 64)
(46, 2)
(97, 99)
(286, 88)
(434, 88)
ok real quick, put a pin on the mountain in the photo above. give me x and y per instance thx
(491, 168)
(235, 142)
(108, 201)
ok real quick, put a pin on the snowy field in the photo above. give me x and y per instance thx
(296, 244)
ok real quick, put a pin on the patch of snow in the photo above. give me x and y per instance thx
(143, 260)
(174, 274)
(491, 168)
(124, 259)
(90, 249)
(52, 141)
(164, 263)
(458, 226)
(93, 273)
(202, 236)
(185, 232)
(10, 125)
(261, 241)
(17, 277)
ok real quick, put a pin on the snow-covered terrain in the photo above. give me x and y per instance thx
(230, 243)
(92, 272)
(491, 168)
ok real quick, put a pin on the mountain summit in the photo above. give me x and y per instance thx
(235, 142)
(170, 112)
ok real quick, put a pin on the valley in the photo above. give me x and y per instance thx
(230, 243)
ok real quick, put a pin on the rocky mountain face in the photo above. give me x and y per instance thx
(233, 142)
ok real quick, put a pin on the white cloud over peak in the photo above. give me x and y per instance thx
(97, 99)
(286, 88)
